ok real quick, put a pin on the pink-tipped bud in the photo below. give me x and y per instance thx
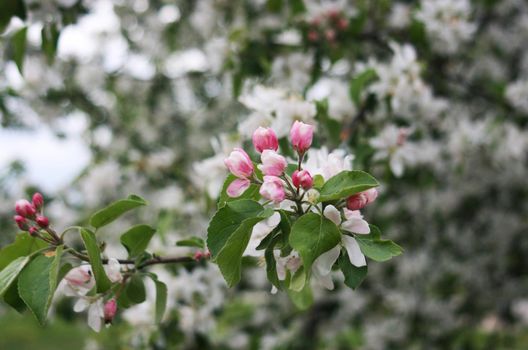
(25, 209)
(239, 163)
(362, 199)
(342, 24)
(21, 222)
(79, 277)
(198, 256)
(273, 189)
(42, 221)
(265, 138)
(273, 164)
(302, 179)
(313, 36)
(110, 309)
(33, 230)
(38, 201)
(301, 136)
(330, 35)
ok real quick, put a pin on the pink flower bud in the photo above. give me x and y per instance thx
(301, 136)
(239, 163)
(273, 189)
(313, 36)
(21, 222)
(38, 201)
(302, 179)
(198, 256)
(362, 199)
(42, 221)
(79, 277)
(237, 187)
(265, 138)
(272, 163)
(110, 309)
(33, 230)
(25, 209)
(330, 35)
(342, 24)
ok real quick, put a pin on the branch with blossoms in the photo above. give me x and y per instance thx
(39, 260)
(301, 224)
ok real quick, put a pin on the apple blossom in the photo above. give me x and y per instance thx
(302, 179)
(265, 139)
(110, 309)
(237, 187)
(239, 163)
(272, 163)
(273, 189)
(362, 199)
(301, 136)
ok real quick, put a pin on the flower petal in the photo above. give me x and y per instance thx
(323, 264)
(237, 187)
(331, 213)
(356, 226)
(354, 253)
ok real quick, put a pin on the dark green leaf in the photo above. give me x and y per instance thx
(10, 8)
(135, 290)
(136, 239)
(353, 275)
(359, 83)
(345, 184)
(50, 38)
(192, 242)
(37, 283)
(113, 211)
(90, 242)
(312, 235)
(19, 48)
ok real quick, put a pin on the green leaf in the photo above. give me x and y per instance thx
(19, 48)
(301, 299)
(318, 181)
(136, 239)
(312, 235)
(161, 300)
(298, 280)
(135, 290)
(229, 232)
(271, 266)
(376, 248)
(353, 275)
(10, 273)
(251, 193)
(359, 83)
(192, 242)
(50, 38)
(345, 184)
(24, 245)
(37, 283)
(10, 8)
(113, 211)
(90, 242)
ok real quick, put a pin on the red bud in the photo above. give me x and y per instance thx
(25, 209)
(38, 201)
(33, 231)
(42, 221)
(21, 222)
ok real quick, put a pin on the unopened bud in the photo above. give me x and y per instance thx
(302, 179)
(110, 309)
(25, 209)
(33, 231)
(38, 201)
(313, 36)
(21, 222)
(198, 255)
(42, 221)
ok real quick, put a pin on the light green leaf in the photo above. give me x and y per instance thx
(359, 83)
(301, 299)
(298, 280)
(192, 242)
(10, 273)
(113, 211)
(318, 181)
(90, 242)
(19, 48)
(345, 184)
(353, 275)
(37, 283)
(251, 193)
(312, 235)
(161, 300)
(376, 248)
(23, 245)
(136, 239)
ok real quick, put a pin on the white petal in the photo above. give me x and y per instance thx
(323, 264)
(356, 226)
(354, 253)
(396, 165)
(81, 305)
(94, 320)
(325, 280)
(331, 213)
(113, 270)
